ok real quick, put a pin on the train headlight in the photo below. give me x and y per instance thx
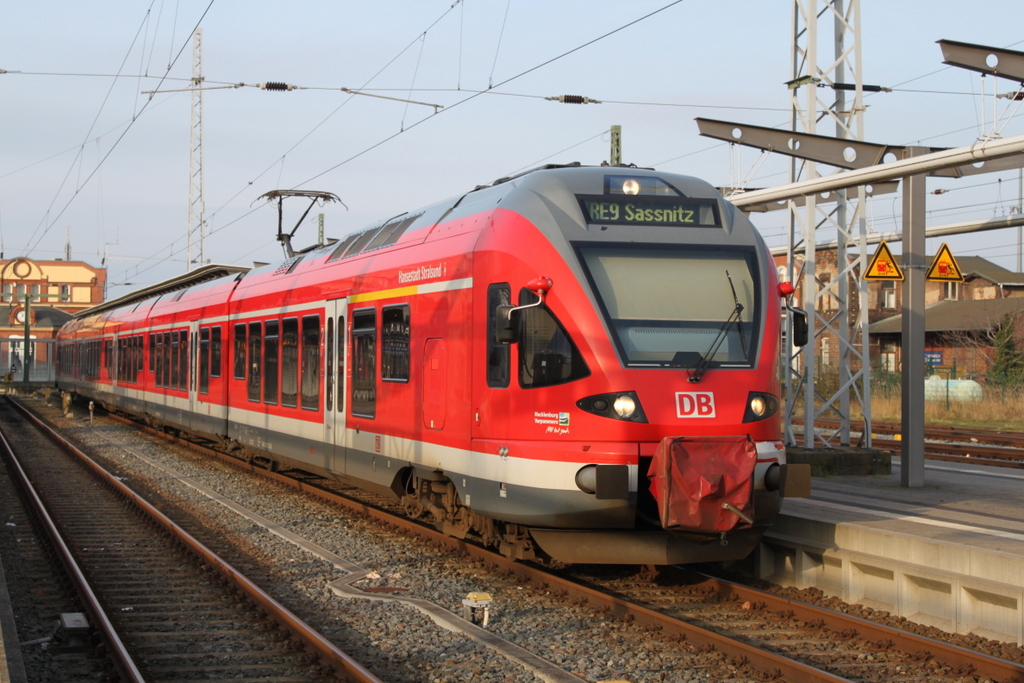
(622, 405)
(760, 406)
(630, 186)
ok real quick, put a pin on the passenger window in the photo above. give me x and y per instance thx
(204, 360)
(329, 375)
(339, 377)
(255, 344)
(158, 351)
(167, 360)
(311, 362)
(290, 362)
(547, 356)
(175, 364)
(364, 362)
(183, 361)
(394, 340)
(270, 355)
(239, 372)
(215, 351)
(499, 356)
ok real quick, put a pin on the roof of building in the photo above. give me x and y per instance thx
(982, 267)
(956, 316)
(48, 315)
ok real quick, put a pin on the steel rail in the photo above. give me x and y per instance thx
(768, 662)
(119, 653)
(344, 666)
(788, 669)
(988, 437)
(975, 454)
(946, 653)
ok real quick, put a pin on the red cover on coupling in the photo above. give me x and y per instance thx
(693, 478)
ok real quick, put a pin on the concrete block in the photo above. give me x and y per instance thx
(991, 613)
(929, 599)
(831, 462)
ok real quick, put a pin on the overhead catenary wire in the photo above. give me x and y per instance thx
(471, 96)
(29, 243)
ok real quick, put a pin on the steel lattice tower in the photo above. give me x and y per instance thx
(812, 76)
(196, 204)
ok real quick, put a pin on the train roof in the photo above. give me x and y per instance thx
(193, 277)
(406, 228)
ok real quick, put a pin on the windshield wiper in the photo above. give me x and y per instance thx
(735, 317)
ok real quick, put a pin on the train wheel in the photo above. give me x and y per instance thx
(414, 507)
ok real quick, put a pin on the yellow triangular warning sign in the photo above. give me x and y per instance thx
(883, 265)
(944, 268)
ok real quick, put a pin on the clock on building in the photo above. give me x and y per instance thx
(20, 316)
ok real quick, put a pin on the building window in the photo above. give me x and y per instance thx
(826, 300)
(951, 291)
(888, 356)
(888, 294)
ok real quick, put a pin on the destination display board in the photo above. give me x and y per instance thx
(675, 212)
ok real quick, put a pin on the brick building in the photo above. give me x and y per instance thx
(960, 317)
(55, 290)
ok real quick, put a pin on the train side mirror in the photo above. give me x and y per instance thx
(800, 328)
(506, 318)
(540, 286)
(505, 324)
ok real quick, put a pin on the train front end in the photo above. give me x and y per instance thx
(646, 331)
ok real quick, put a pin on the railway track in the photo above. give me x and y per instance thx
(756, 634)
(842, 644)
(952, 444)
(167, 607)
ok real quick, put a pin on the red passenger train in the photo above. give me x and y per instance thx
(575, 363)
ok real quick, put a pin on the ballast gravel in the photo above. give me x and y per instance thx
(397, 642)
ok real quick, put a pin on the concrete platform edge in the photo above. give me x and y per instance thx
(954, 587)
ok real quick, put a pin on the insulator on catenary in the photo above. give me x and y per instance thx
(573, 99)
(270, 85)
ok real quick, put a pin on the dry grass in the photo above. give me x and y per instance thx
(998, 410)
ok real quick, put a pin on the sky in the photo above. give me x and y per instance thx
(91, 162)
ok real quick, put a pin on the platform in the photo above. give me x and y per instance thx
(949, 554)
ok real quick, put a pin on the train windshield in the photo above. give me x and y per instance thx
(669, 306)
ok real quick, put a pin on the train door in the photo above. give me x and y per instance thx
(335, 434)
(435, 383)
(193, 371)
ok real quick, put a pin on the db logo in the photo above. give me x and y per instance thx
(695, 404)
